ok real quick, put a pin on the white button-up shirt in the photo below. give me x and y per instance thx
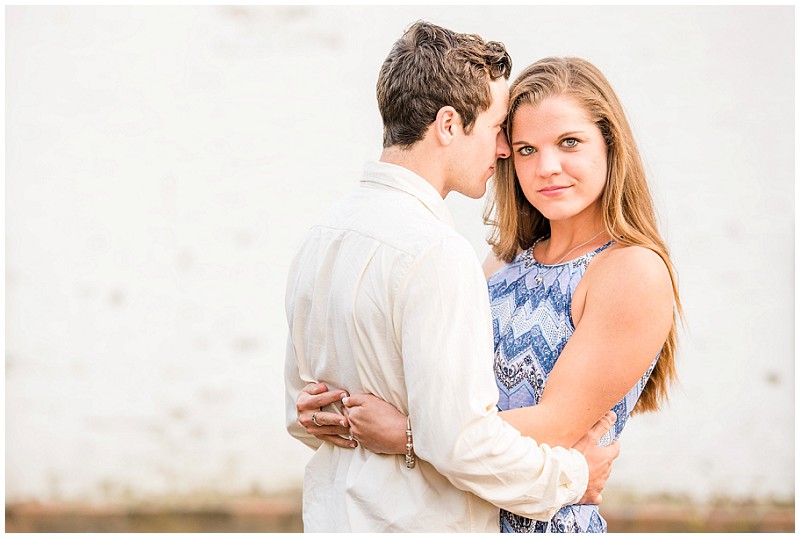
(385, 297)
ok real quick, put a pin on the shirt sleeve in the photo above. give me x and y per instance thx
(294, 383)
(443, 322)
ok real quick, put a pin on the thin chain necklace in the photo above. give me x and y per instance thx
(573, 249)
(539, 278)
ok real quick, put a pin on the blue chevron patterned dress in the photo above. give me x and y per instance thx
(531, 313)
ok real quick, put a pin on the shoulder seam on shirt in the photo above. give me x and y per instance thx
(433, 242)
(425, 251)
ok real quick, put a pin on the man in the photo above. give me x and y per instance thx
(385, 297)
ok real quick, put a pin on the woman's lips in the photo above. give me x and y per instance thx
(552, 191)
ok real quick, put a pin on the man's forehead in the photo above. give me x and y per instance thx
(499, 86)
(499, 106)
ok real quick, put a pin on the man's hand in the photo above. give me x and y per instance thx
(598, 457)
(329, 426)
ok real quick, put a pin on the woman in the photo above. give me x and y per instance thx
(581, 286)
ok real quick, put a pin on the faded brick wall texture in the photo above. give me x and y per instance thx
(163, 164)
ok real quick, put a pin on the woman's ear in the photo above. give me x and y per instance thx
(446, 125)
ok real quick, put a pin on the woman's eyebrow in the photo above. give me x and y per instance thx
(562, 135)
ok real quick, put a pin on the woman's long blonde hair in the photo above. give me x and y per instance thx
(627, 206)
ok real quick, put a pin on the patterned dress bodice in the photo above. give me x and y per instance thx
(532, 318)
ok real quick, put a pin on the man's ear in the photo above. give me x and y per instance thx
(446, 125)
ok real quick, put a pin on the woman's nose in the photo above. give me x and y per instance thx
(549, 163)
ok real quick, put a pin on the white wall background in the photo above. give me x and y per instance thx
(163, 163)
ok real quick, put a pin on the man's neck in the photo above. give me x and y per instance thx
(420, 161)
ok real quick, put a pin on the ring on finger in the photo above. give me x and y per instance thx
(314, 420)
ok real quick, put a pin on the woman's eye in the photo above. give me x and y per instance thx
(525, 151)
(570, 142)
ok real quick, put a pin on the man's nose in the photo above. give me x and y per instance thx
(503, 149)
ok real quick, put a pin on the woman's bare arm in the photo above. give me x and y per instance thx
(624, 323)
(625, 320)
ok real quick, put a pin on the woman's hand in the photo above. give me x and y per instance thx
(329, 426)
(376, 424)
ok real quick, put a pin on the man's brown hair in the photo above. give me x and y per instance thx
(431, 67)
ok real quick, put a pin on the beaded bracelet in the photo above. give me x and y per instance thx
(410, 459)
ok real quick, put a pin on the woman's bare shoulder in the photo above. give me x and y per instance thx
(633, 261)
(632, 269)
(492, 264)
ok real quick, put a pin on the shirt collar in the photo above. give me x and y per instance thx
(403, 179)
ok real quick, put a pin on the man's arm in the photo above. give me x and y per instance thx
(380, 428)
(444, 328)
(294, 384)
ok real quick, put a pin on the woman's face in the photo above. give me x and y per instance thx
(560, 158)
